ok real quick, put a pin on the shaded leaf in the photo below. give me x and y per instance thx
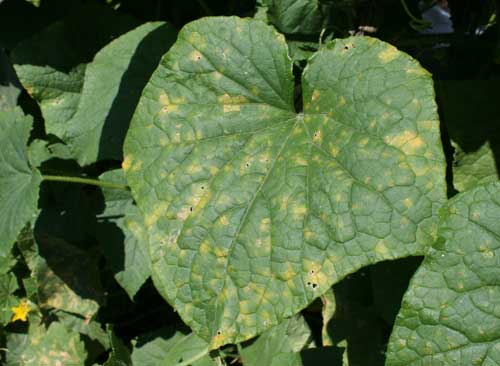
(51, 65)
(125, 249)
(112, 87)
(8, 285)
(254, 210)
(19, 181)
(9, 85)
(66, 277)
(450, 314)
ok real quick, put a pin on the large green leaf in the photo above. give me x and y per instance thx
(450, 314)
(53, 346)
(51, 65)
(112, 87)
(123, 237)
(19, 181)
(254, 210)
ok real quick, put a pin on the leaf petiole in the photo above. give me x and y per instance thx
(79, 180)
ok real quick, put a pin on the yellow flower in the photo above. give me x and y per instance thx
(21, 311)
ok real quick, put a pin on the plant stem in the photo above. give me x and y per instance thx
(93, 182)
(205, 7)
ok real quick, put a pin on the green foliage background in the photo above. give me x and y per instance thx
(84, 84)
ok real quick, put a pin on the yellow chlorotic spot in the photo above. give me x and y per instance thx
(194, 168)
(334, 151)
(217, 75)
(184, 213)
(363, 142)
(308, 234)
(342, 101)
(195, 56)
(265, 158)
(213, 169)
(317, 136)
(315, 95)
(299, 211)
(137, 166)
(380, 248)
(219, 252)
(426, 125)
(223, 220)
(476, 215)
(387, 55)
(197, 39)
(20, 312)
(204, 247)
(288, 273)
(231, 108)
(408, 202)
(403, 220)
(30, 90)
(127, 161)
(155, 215)
(264, 224)
(228, 99)
(167, 105)
(300, 161)
(255, 90)
(407, 140)
(372, 124)
(417, 71)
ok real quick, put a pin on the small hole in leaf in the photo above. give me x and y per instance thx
(311, 272)
(314, 285)
(346, 47)
(247, 165)
(202, 187)
(191, 209)
(218, 332)
(309, 284)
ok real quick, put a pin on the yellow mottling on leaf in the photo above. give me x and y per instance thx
(380, 248)
(195, 56)
(167, 105)
(408, 202)
(426, 124)
(299, 160)
(204, 247)
(228, 99)
(387, 55)
(315, 95)
(288, 273)
(231, 108)
(299, 212)
(334, 151)
(264, 224)
(363, 142)
(194, 168)
(20, 312)
(213, 169)
(220, 252)
(417, 71)
(342, 101)
(151, 218)
(127, 161)
(224, 220)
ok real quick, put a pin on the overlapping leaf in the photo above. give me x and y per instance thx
(125, 249)
(450, 314)
(113, 84)
(19, 181)
(255, 210)
(51, 65)
(46, 347)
